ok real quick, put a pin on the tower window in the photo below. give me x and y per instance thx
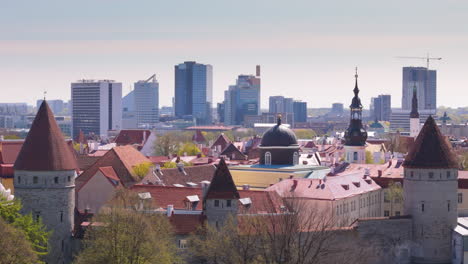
(355, 156)
(216, 203)
(448, 205)
(431, 175)
(56, 180)
(412, 174)
(61, 216)
(19, 179)
(448, 174)
(35, 180)
(268, 158)
(68, 178)
(422, 207)
(37, 216)
(295, 158)
(460, 198)
(228, 203)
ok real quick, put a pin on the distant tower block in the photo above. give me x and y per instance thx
(257, 71)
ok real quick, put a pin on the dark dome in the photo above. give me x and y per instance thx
(355, 135)
(279, 135)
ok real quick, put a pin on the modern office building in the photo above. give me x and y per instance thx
(146, 97)
(194, 91)
(300, 111)
(280, 104)
(337, 108)
(57, 106)
(242, 99)
(381, 108)
(400, 119)
(96, 107)
(426, 83)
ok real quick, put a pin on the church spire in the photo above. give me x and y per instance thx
(414, 104)
(356, 135)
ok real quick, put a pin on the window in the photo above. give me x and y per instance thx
(460, 198)
(228, 203)
(216, 203)
(448, 174)
(431, 175)
(37, 216)
(61, 216)
(35, 180)
(19, 179)
(69, 178)
(295, 158)
(182, 243)
(422, 207)
(62, 244)
(448, 205)
(355, 156)
(386, 213)
(268, 158)
(412, 174)
(397, 213)
(337, 210)
(56, 180)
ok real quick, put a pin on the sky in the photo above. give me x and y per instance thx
(307, 49)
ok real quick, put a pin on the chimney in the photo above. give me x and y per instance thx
(380, 173)
(291, 176)
(257, 71)
(245, 187)
(170, 210)
(294, 185)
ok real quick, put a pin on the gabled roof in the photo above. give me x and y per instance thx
(230, 149)
(132, 136)
(122, 159)
(195, 174)
(109, 172)
(198, 137)
(9, 151)
(45, 148)
(221, 140)
(431, 149)
(222, 185)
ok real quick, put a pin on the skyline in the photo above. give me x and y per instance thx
(303, 50)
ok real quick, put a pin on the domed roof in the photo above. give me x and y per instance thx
(279, 135)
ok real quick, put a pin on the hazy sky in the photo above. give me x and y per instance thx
(307, 49)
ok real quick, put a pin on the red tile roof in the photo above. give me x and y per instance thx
(185, 224)
(222, 140)
(431, 149)
(45, 148)
(222, 185)
(159, 159)
(109, 172)
(162, 196)
(195, 174)
(122, 159)
(9, 151)
(132, 136)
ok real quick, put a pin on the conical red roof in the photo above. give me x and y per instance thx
(222, 185)
(45, 148)
(431, 149)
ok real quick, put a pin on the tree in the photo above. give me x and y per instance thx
(369, 158)
(14, 246)
(305, 133)
(189, 149)
(35, 231)
(122, 234)
(170, 143)
(170, 164)
(302, 234)
(142, 169)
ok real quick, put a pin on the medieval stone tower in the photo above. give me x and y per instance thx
(45, 182)
(355, 136)
(430, 190)
(221, 199)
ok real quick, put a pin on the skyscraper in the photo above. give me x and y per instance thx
(242, 99)
(381, 107)
(280, 104)
(146, 96)
(300, 111)
(426, 84)
(96, 106)
(194, 91)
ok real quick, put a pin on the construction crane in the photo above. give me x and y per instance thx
(427, 59)
(153, 78)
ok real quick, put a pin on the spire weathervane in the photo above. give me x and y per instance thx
(45, 93)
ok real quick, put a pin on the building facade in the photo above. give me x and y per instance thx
(426, 82)
(381, 108)
(194, 91)
(96, 107)
(300, 111)
(242, 99)
(146, 96)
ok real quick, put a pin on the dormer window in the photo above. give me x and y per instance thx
(267, 158)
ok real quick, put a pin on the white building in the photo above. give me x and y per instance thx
(96, 106)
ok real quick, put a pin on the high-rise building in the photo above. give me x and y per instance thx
(194, 91)
(300, 111)
(426, 83)
(57, 106)
(337, 108)
(280, 104)
(146, 96)
(242, 99)
(381, 108)
(96, 106)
